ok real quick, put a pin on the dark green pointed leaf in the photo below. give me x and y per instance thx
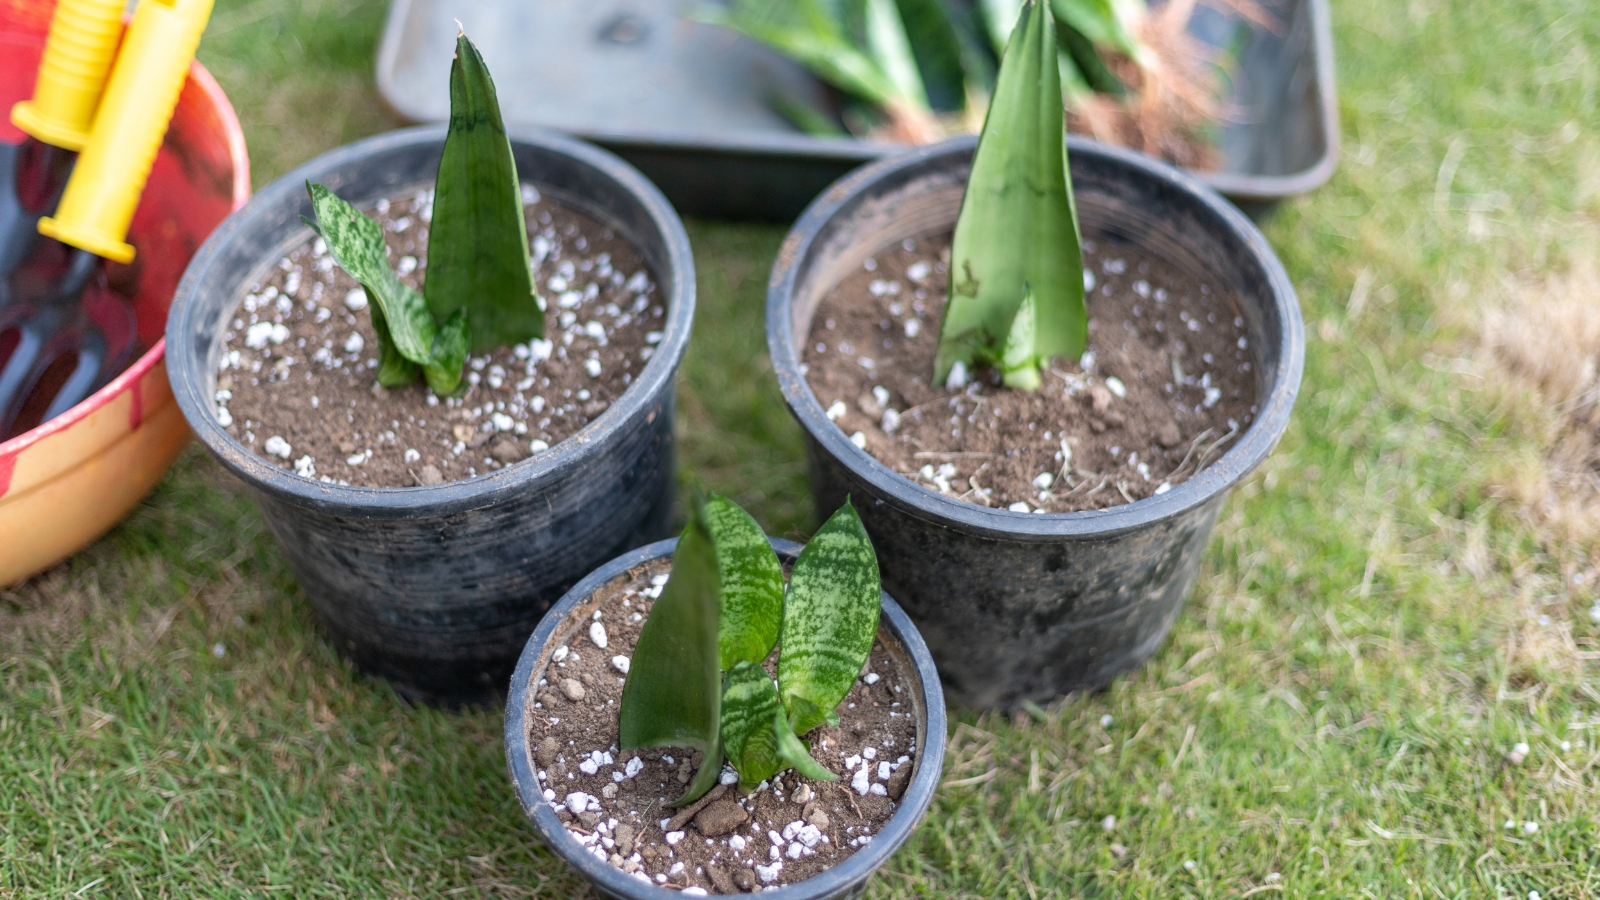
(1087, 60)
(1017, 226)
(829, 619)
(793, 751)
(749, 705)
(399, 314)
(934, 33)
(751, 583)
(478, 244)
(673, 694)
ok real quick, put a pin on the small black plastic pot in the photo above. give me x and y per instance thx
(845, 880)
(1021, 606)
(436, 588)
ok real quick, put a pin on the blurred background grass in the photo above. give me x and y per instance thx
(1381, 620)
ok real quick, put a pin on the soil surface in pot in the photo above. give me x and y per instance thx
(615, 802)
(296, 379)
(1167, 383)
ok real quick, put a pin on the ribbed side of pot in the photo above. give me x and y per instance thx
(1010, 621)
(441, 604)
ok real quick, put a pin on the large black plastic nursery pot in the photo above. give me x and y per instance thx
(436, 588)
(1018, 606)
(847, 879)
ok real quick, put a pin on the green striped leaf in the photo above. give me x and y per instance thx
(407, 335)
(1018, 228)
(756, 732)
(749, 706)
(478, 243)
(751, 583)
(673, 694)
(829, 619)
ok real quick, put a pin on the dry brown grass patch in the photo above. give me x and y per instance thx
(1543, 348)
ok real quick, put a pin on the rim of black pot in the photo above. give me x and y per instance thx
(1257, 442)
(855, 869)
(452, 496)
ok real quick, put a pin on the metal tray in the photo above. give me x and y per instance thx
(685, 102)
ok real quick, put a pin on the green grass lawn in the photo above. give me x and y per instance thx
(1376, 629)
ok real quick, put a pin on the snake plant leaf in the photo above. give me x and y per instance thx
(1103, 23)
(394, 370)
(478, 243)
(933, 31)
(793, 751)
(812, 34)
(804, 115)
(673, 694)
(1019, 363)
(887, 43)
(751, 580)
(1086, 60)
(756, 731)
(749, 706)
(450, 346)
(400, 315)
(1018, 227)
(829, 619)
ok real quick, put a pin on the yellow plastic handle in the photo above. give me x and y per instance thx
(143, 91)
(77, 56)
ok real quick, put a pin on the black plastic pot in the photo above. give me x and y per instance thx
(845, 880)
(436, 588)
(1019, 606)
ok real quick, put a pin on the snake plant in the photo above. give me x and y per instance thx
(697, 678)
(479, 291)
(1016, 296)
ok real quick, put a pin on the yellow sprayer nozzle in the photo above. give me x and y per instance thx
(139, 99)
(77, 56)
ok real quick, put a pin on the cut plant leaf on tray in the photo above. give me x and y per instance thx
(697, 677)
(1128, 72)
(479, 291)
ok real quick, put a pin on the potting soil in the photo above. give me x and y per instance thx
(296, 379)
(1166, 385)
